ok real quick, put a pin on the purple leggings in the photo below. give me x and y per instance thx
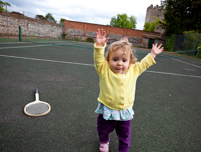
(123, 130)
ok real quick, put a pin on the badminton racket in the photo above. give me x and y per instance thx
(37, 107)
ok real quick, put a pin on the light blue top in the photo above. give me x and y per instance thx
(110, 114)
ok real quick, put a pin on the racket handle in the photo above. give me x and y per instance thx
(37, 95)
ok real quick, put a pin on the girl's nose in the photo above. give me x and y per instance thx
(119, 63)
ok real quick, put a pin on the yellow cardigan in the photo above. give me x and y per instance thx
(117, 91)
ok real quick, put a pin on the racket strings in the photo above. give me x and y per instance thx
(37, 108)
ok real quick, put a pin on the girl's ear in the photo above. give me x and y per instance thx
(130, 62)
(107, 59)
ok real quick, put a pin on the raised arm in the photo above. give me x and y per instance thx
(156, 50)
(100, 38)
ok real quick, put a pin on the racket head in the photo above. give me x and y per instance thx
(37, 108)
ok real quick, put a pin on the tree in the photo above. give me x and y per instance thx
(150, 27)
(122, 20)
(50, 18)
(62, 20)
(181, 15)
(40, 17)
(2, 4)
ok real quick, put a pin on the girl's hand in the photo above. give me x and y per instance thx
(100, 38)
(156, 50)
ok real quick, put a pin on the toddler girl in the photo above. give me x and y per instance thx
(118, 72)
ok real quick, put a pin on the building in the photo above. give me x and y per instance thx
(153, 13)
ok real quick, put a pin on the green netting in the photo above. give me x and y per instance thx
(187, 44)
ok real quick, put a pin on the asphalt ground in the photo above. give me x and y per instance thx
(167, 104)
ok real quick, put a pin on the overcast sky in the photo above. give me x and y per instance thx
(90, 11)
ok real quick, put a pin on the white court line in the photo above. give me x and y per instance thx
(14, 42)
(41, 42)
(15, 47)
(36, 59)
(183, 61)
(183, 75)
(187, 63)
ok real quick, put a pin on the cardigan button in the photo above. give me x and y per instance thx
(122, 89)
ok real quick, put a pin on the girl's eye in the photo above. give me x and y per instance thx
(115, 59)
(124, 60)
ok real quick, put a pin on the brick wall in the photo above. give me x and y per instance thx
(9, 26)
(83, 31)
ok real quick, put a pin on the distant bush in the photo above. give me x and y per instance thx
(199, 52)
(169, 45)
(90, 39)
(77, 39)
(63, 35)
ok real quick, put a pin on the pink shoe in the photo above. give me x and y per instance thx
(104, 147)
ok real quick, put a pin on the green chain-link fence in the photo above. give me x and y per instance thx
(187, 43)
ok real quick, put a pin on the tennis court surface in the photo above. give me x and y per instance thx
(167, 105)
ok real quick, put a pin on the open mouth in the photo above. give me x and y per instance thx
(118, 68)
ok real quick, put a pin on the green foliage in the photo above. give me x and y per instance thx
(122, 20)
(40, 17)
(199, 40)
(150, 27)
(2, 4)
(147, 27)
(89, 40)
(181, 15)
(199, 52)
(199, 45)
(48, 17)
(169, 45)
(190, 41)
(63, 35)
(77, 39)
(62, 24)
(62, 20)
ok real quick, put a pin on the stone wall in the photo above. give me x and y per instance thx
(9, 26)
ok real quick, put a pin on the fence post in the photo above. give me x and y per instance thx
(20, 34)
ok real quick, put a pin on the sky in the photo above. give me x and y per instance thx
(89, 11)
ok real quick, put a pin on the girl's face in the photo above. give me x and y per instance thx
(119, 61)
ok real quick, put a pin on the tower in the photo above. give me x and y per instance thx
(152, 14)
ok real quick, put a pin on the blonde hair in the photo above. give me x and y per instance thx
(125, 46)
